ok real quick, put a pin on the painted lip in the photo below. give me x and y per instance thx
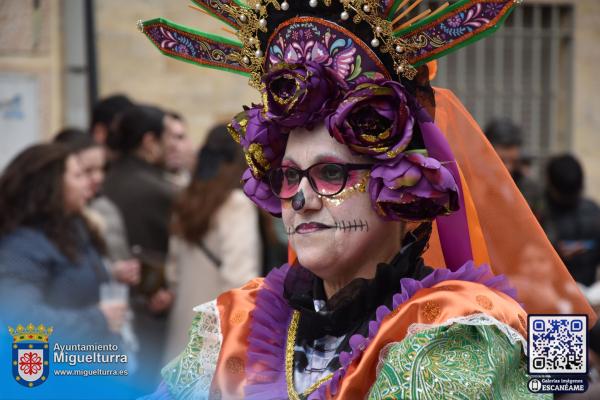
(310, 227)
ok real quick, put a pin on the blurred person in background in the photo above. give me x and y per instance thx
(507, 139)
(179, 150)
(51, 265)
(216, 242)
(105, 117)
(571, 221)
(274, 240)
(136, 184)
(101, 210)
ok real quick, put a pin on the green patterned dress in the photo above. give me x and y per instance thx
(458, 361)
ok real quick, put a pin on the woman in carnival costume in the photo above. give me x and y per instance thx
(376, 175)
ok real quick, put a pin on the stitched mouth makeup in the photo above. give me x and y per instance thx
(344, 226)
(311, 227)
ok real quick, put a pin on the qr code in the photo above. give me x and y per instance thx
(557, 344)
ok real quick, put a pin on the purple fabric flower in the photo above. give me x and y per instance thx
(260, 193)
(374, 119)
(300, 95)
(263, 142)
(413, 187)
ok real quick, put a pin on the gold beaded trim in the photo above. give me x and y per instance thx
(383, 38)
(253, 19)
(289, 363)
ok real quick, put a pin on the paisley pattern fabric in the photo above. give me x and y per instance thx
(193, 46)
(189, 376)
(457, 27)
(459, 361)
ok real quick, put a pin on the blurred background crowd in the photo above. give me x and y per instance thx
(120, 199)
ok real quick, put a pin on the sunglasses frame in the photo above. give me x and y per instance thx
(346, 167)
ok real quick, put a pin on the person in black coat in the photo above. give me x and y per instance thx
(136, 185)
(571, 221)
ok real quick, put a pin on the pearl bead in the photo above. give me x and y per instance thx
(313, 3)
(366, 8)
(246, 60)
(262, 22)
(399, 49)
(285, 6)
(252, 40)
(400, 69)
(257, 6)
(344, 15)
(378, 29)
(375, 42)
(258, 53)
(243, 18)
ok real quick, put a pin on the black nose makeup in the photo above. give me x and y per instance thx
(298, 200)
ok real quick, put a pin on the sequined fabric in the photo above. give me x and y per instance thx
(459, 361)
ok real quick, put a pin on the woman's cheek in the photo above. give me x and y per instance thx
(356, 185)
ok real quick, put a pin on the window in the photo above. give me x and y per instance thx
(523, 71)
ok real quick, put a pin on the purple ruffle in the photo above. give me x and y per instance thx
(267, 340)
(271, 316)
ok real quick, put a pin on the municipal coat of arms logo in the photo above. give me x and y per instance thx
(30, 349)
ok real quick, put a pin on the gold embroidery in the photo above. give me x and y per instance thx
(256, 160)
(235, 365)
(289, 362)
(431, 310)
(243, 123)
(238, 317)
(484, 302)
(378, 137)
(252, 21)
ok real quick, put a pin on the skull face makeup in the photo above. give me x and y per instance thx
(336, 238)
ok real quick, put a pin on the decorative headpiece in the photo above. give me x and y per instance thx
(349, 64)
(360, 67)
(381, 29)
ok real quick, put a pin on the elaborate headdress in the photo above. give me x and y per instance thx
(360, 67)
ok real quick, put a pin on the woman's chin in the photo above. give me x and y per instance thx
(311, 241)
(314, 259)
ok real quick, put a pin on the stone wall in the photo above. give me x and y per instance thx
(586, 96)
(129, 62)
(30, 45)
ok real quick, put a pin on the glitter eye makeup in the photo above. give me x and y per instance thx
(357, 185)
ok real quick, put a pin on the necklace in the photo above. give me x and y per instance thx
(289, 363)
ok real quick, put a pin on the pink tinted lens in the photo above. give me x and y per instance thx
(288, 180)
(328, 178)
